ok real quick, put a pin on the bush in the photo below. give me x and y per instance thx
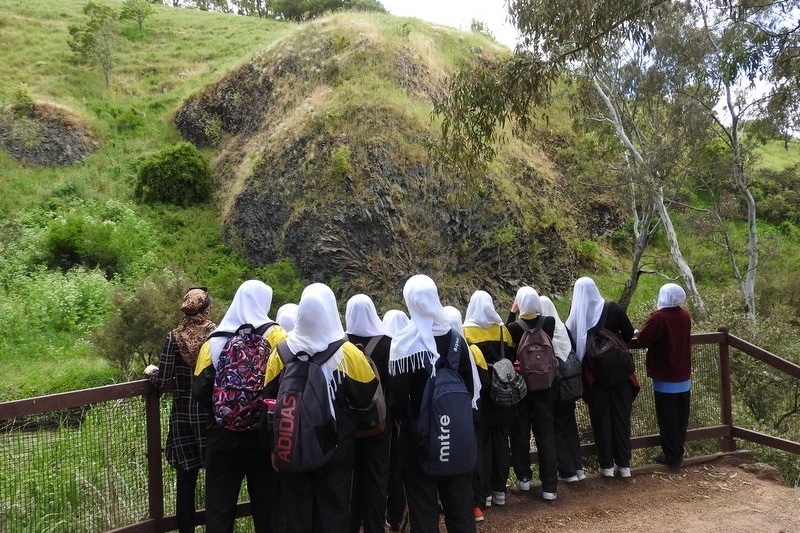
(178, 175)
(108, 236)
(135, 330)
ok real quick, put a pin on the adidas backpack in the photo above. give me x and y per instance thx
(536, 356)
(446, 441)
(236, 400)
(305, 432)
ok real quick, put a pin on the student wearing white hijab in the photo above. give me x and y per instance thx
(287, 316)
(667, 337)
(394, 320)
(609, 406)
(535, 411)
(371, 467)
(234, 455)
(318, 501)
(568, 442)
(423, 341)
(480, 378)
(484, 328)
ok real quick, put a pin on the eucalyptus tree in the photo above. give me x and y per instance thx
(96, 40)
(733, 43)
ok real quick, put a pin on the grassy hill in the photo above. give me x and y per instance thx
(340, 134)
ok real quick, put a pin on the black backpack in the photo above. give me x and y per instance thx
(569, 383)
(372, 420)
(304, 429)
(607, 356)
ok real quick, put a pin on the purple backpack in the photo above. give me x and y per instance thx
(237, 399)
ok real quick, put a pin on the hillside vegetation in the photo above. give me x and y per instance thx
(318, 136)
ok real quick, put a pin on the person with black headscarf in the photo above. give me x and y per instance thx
(186, 439)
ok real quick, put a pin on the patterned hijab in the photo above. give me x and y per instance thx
(195, 325)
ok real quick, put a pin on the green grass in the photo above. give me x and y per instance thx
(775, 156)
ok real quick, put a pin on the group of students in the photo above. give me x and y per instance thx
(370, 481)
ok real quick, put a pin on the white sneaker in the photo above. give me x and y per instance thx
(624, 471)
(488, 502)
(499, 498)
(581, 474)
(525, 484)
(570, 479)
(549, 496)
(607, 472)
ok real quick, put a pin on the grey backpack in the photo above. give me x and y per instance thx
(507, 387)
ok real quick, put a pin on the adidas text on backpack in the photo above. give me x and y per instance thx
(447, 445)
(236, 400)
(305, 432)
(536, 356)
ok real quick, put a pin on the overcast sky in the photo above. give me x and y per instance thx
(458, 14)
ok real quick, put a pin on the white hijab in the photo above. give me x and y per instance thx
(394, 320)
(587, 306)
(529, 302)
(561, 343)
(318, 325)
(250, 305)
(671, 295)
(361, 317)
(455, 323)
(287, 316)
(481, 312)
(414, 345)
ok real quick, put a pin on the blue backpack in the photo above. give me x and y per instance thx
(447, 445)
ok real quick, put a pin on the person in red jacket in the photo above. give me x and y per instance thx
(666, 335)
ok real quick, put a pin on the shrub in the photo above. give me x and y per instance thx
(136, 328)
(178, 175)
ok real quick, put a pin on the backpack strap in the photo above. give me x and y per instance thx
(371, 345)
(454, 353)
(603, 316)
(260, 330)
(525, 327)
(257, 330)
(319, 358)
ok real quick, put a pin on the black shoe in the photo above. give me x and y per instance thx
(661, 459)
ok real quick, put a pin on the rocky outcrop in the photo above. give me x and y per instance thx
(46, 135)
(315, 167)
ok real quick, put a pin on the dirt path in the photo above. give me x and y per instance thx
(725, 495)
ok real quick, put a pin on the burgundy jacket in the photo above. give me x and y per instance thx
(666, 335)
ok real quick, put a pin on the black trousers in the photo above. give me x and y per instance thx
(370, 480)
(225, 470)
(424, 493)
(185, 485)
(395, 495)
(672, 412)
(610, 414)
(568, 441)
(520, 439)
(318, 501)
(536, 412)
(495, 460)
